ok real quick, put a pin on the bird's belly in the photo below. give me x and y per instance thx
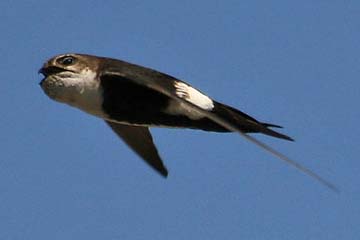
(161, 118)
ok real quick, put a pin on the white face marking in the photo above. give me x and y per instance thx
(79, 90)
(193, 96)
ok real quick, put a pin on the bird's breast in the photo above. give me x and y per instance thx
(82, 91)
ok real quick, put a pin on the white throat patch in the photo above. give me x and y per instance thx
(80, 90)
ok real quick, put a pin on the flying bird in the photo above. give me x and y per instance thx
(131, 99)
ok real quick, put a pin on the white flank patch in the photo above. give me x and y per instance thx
(194, 96)
(191, 95)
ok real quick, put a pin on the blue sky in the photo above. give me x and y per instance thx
(65, 175)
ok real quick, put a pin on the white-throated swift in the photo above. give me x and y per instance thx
(132, 98)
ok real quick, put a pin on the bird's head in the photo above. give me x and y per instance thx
(68, 75)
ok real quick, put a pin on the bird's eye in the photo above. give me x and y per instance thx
(67, 60)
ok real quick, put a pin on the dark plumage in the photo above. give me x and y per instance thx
(132, 98)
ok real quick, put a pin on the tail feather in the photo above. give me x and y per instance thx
(247, 123)
(273, 133)
(271, 125)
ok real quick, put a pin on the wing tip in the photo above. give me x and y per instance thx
(163, 172)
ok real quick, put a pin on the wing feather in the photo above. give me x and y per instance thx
(165, 84)
(140, 140)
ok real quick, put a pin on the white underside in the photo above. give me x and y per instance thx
(80, 90)
(141, 125)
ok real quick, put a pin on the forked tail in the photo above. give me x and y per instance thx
(247, 123)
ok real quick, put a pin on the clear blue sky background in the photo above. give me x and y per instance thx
(65, 175)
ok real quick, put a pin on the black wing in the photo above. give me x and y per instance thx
(164, 84)
(140, 140)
